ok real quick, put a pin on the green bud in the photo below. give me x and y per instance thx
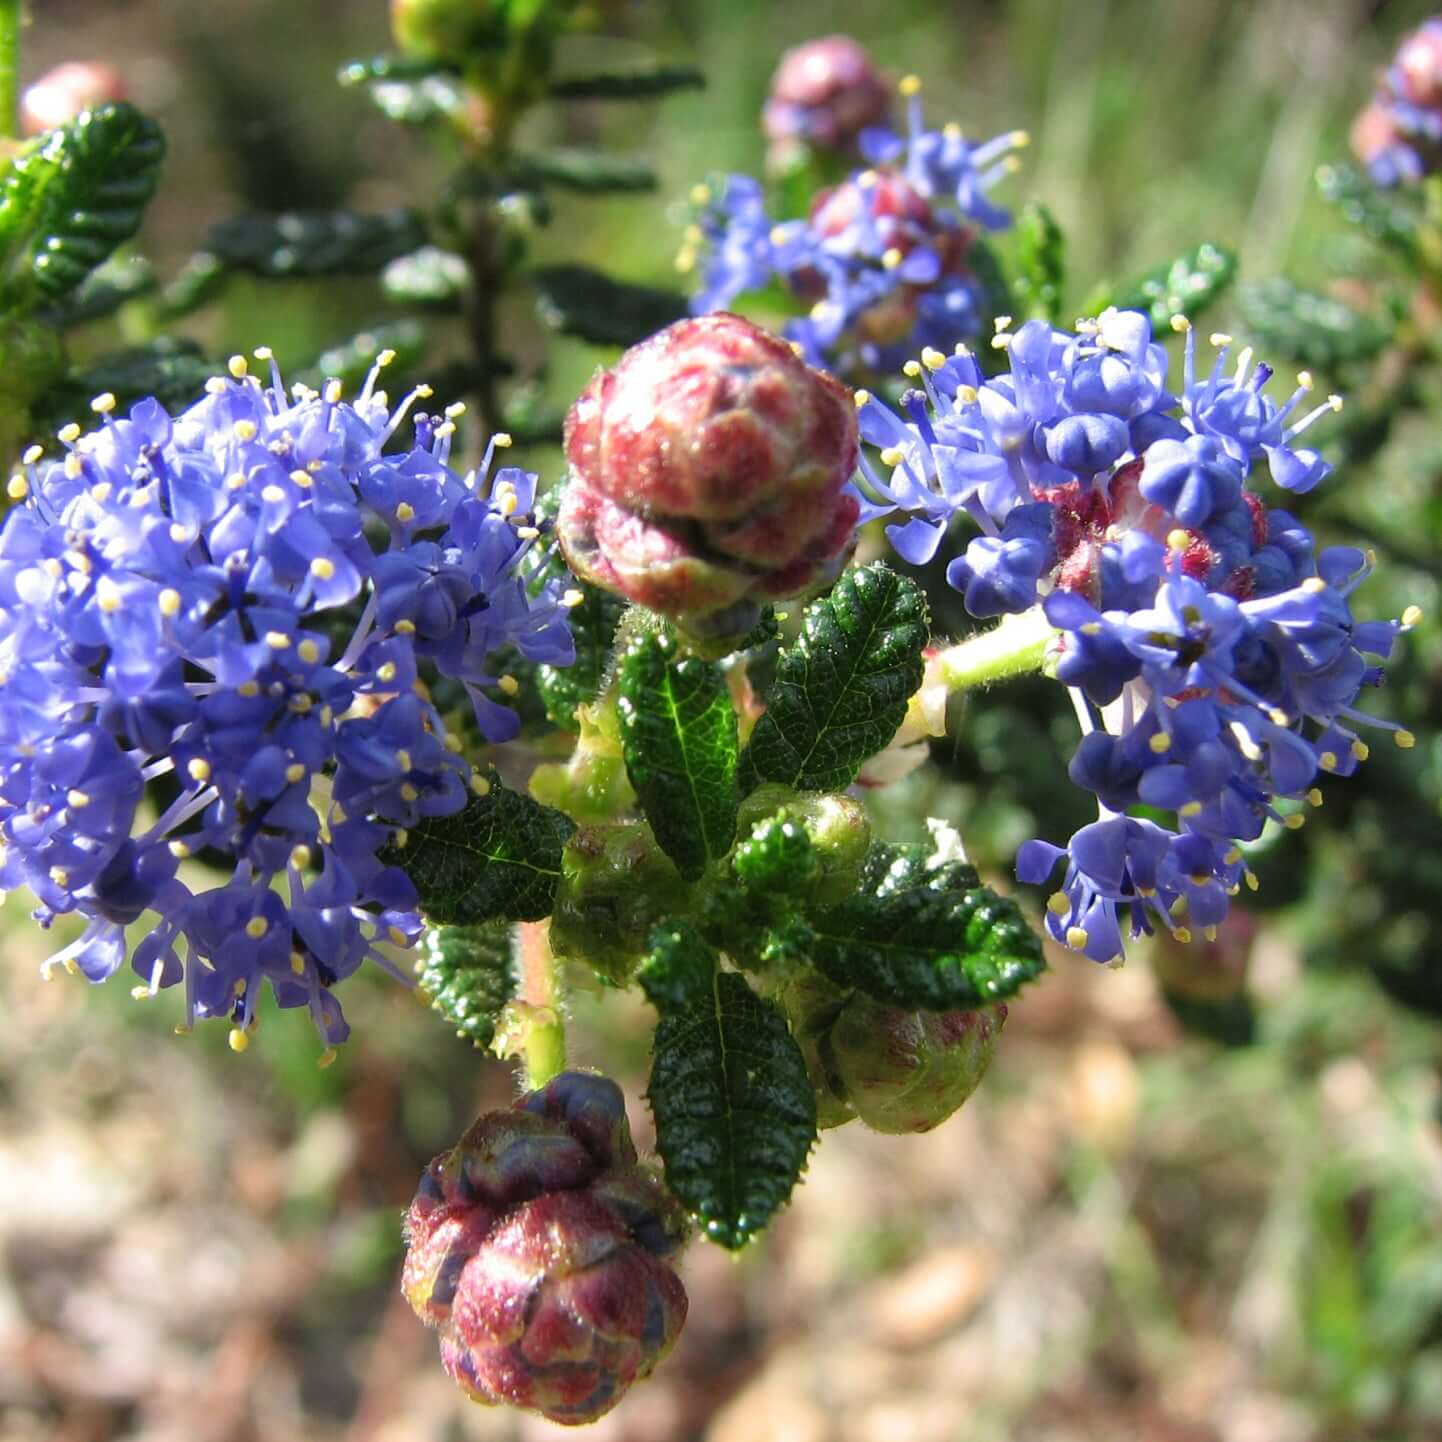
(448, 30)
(616, 884)
(812, 1006)
(835, 825)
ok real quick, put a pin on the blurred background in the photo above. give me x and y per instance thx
(1130, 1232)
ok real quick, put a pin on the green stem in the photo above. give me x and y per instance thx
(1012, 648)
(544, 1049)
(11, 19)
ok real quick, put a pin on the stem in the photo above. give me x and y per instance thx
(1011, 648)
(544, 1048)
(11, 19)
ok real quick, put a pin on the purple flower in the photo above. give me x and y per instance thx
(236, 604)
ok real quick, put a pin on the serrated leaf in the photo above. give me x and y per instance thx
(591, 172)
(582, 302)
(841, 690)
(1041, 263)
(468, 974)
(497, 860)
(928, 938)
(120, 279)
(593, 628)
(1388, 216)
(635, 84)
(1184, 286)
(678, 732)
(428, 276)
(68, 199)
(315, 242)
(1311, 329)
(735, 1111)
(172, 369)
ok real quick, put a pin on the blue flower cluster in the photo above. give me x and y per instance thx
(882, 258)
(1213, 658)
(1398, 135)
(212, 632)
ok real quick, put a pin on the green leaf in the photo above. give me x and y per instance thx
(499, 859)
(428, 276)
(172, 369)
(407, 90)
(1041, 263)
(315, 242)
(1311, 329)
(468, 975)
(120, 279)
(593, 627)
(678, 732)
(629, 84)
(735, 1111)
(1387, 216)
(578, 301)
(199, 281)
(841, 690)
(68, 199)
(351, 360)
(591, 172)
(1185, 286)
(927, 938)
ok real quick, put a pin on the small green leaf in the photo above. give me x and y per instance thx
(578, 301)
(1388, 216)
(71, 196)
(929, 938)
(841, 691)
(777, 857)
(1311, 329)
(593, 627)
(198, 282)
(468, 974)
(499, 859)
(678, 730)
(315, 242)
(428, 276)
(1041, 263)
(351, 360)
(1185, 286)
(735, 1111)
(120, 279)
(171, 369)
(629, 84)
(591, 172)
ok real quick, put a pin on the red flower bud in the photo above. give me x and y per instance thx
(1419, 65)
(707, 475)
(825, 92)
(63, 92)
(538, 1245)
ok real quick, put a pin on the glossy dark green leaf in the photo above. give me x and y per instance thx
(428, 276)
(1390, 217)
(120, 279)
(499, 859)
(1311, 329)
(931, 938)
(198, 282)
(316, 242)
(635, 84)
(73, 195)
(778, 856)
(468, 975)
(1185, 286)
(172, 369)
(591, 172)
(593, 627)
(841, 690)
(735, 1111)
(1040, 264)
(678, 732)
(578, 301)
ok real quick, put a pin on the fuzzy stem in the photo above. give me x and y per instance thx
(11, 19)
(1012, 648)
(544, 1049)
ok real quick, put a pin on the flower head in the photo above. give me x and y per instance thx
(1398, 135)
(1213, 658)
(214, 633)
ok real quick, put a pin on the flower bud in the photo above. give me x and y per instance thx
(707, 476)
(63, 92)
(836, 825)
(537, 1247)
(824, 94)
(1417, 69)
(446, 29)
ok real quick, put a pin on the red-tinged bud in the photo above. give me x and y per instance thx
(1374, 133)
(539, 1248)
(62, 93)
(824, 94)
(707, 476)
(1418, 65)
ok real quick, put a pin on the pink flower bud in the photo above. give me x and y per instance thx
(707, 475)
(62, 93)
(1374, 133)
(1419, 66)
(538, 1247)
(825, 93)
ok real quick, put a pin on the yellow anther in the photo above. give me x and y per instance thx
(1178, 539)
(908, 86)
(323, 568)
(1232, 856)
(32, 454)
(332, 392)
(952, 131)
(480, 785)
(700, 195)
(1412, 616)
(1058, 903)
(273, 495)
(295, 772)
(933, 360)
(1405, 739)
(178, 849)
(573, 597)
(238, 1039)
(1160, 744)
(277, 640)
(17, 488)
(1360, 750)
(397, 936)
(509, 685)
(140, 993)
(73, 466)
(327, 1058)
(1220, 338)
(1250, 877)
(446, 428)
(860, 398)
(100, 493)
(1077, 938)
(1314, 585)
(300, 704)
(60, 876)
(386, 672)
(303, 479)
(892, 456)
(1278, 717)
(1179, 907)
(248, 689)
(967, 395)
(308, 651)
(263, 353)
(77, 800)
(502, 440)
(409, 792)
(891, 258)
(912, 369)
(1183, 935)
(1001, 323)
(169, 601)
(1305, 381)
(68, 435)
(198, 769)
(103, 404)
(1020, 138)
(405, 512)
(405, 628)
(1192, 808)
(238, 367)
(297, 963)
(685, 259)
(300, 857)
(235, 482)
(527, 533)
(1181, 324)
(1314, 796)
(244, 431)
(180, 534)
(1092, 628)
(1335, 403)
(1295, 822)
(107, 595)
(385, 357)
